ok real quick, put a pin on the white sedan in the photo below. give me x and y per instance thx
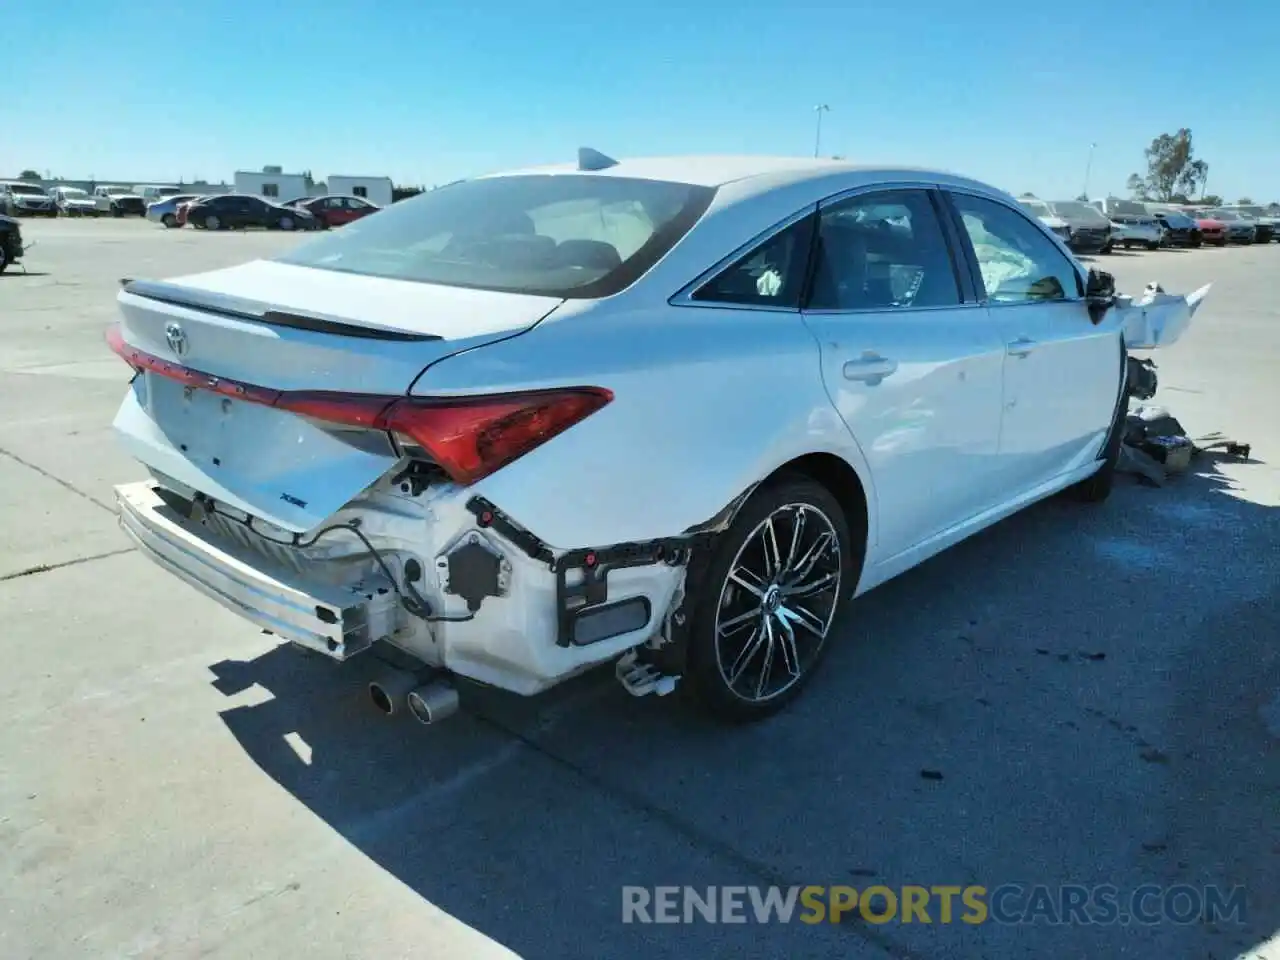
(671, 414)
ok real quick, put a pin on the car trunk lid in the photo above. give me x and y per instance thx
(214, 349)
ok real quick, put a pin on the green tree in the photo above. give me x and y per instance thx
(1212, 200)
(29, 175)
(1245, 202)
(1137, 187)
(1171, 167)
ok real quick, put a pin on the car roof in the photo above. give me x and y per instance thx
(718, 170)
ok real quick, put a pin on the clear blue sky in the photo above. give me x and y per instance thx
(1010, 91)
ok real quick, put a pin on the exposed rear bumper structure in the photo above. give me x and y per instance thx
(337, 622)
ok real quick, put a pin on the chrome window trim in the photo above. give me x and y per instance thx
(684, 296)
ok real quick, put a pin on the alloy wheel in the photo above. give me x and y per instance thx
(777, 602)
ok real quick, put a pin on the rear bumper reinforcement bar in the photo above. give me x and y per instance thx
(331, 620)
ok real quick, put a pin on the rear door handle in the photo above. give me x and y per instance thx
(870, 368)
(1021, 347)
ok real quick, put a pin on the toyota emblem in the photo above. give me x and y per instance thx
(176, 338)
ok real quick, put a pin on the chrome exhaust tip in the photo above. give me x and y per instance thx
(433, 702)
(388, 691)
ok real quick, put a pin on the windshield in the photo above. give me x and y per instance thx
(1079, 211)
(1037, 207)
(565, 235)
(27, 189)
(1223, 215)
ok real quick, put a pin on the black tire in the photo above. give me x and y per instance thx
(1097, 488)
(211, 222)
(784, 499)
(4, 254)
(169, 220)
(116, 211)
(1153, 245)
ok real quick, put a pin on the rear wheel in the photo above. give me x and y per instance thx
(4, 254)
(772, 590)
(286, 223)
(211, 222)
(1153, 244)
(169, 220)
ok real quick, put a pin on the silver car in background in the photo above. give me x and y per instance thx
(1132, 231)
(166, 211)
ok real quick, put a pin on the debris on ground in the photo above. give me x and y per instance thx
(1155, 445)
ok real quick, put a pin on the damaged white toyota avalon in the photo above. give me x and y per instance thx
(672, 414)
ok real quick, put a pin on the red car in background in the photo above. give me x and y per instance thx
(334, 211)
(1213, 231)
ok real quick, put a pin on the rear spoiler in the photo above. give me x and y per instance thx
(239, 308)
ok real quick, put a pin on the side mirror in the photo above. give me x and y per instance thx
(1099, 293)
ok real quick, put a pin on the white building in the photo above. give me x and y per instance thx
(272, 183)
(374, 189)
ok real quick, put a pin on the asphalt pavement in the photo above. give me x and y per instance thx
(1079, 696)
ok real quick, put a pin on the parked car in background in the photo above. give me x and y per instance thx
(1040, 210)
(334, 211)
(1212, 230)
(74, 202)
(26, 199)
(186, 205)
(1268, 223)
(241, 210)
(11, 249)
(1180, 229)
(1130, 231)
(381, 444)
(1089, 230)
(151, 192)
(1240, 229)
(166, 210)
(118, 201)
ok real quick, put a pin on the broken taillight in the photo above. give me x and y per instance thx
(468, 437)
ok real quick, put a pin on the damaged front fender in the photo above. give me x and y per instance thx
(1155, 319)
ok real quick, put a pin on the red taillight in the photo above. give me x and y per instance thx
(472, 437)
(469, 437)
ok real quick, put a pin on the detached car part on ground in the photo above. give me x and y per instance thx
(669, 414)
(11, 248)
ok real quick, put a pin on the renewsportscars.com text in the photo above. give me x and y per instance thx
(1010, 903)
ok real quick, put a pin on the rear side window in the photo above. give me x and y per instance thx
(771, 275)
(566, 235)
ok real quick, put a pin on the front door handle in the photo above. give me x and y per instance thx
(870, 368)
(1021, 347)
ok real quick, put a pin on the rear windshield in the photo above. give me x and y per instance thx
(566, 235)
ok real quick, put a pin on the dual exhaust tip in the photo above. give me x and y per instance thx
(428, 702)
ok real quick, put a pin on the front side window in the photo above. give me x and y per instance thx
(771, 275)
(882, 251)
(1017, 261)
(565, 235)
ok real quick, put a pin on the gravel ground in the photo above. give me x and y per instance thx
(1094, 694)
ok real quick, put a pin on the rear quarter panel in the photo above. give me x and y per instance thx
(707, 402)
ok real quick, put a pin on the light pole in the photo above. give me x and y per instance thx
(1087, 167)
(820, 109)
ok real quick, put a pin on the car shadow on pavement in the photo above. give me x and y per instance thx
(1078, 696)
